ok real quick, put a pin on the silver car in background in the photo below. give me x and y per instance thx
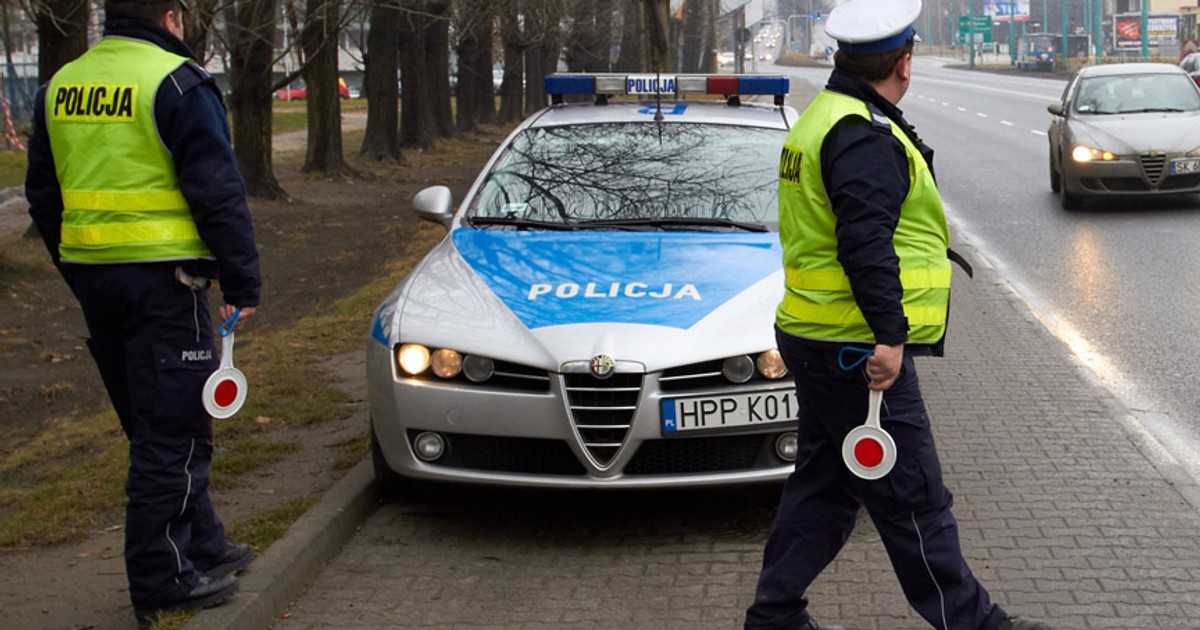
(600, 313)
(1125, 130)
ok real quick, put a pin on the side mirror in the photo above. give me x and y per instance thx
(1056, 109)
(435, 204)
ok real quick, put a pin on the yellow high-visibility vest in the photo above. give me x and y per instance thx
(817, 302)
(121, 196)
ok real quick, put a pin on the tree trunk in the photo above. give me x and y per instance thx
(658, 34)
(633, 38)
(437, 55)
(418, 124)
(382, 139)
(693, 36)
(251, 25)
(319, 40)
(62, 34)
(474, 92)
(512, 85)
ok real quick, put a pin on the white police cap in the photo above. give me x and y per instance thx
(872, 26)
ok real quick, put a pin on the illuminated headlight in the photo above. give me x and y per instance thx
(1087, 154)
(446, 363)
(478, 369)
(738, 369)
(413, 358)
(770, 365)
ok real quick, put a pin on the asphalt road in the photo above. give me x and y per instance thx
(1118, 281)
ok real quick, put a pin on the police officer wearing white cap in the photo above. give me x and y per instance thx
(867, 279)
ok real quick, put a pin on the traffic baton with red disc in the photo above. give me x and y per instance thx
(868, 450)
(225, 390)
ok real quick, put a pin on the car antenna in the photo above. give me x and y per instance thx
(658, 115)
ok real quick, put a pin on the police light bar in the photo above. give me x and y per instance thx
(727, 85)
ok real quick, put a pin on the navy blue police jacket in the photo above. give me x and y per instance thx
(190, 116)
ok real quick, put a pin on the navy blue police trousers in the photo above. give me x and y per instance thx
(152, 339)
(910, 507)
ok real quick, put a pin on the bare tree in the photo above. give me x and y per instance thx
(633, 37)
(545, 42)
(62, 33)
(698, 47)
(474, 21)
(590, 42)
(251, 25)
(382, 139)
(512, 86)
(425, 72)
(319, 41)
(198, 25)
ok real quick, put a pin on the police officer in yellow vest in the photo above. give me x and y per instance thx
(867, 286)
(134, 187)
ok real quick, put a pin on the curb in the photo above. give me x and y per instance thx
(284, 571)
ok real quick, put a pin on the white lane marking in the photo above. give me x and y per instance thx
(1040, 133)
(981, 114)
(962, 109)
(1006, 123)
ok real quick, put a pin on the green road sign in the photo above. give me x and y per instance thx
(977, 28)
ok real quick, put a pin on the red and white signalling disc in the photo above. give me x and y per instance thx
(225, 390)
(868, 450)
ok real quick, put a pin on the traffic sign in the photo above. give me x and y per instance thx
(976, 28)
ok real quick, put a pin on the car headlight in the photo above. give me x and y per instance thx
(446, 363)
(1194, 152)
(738, 369)
(770, 365)
(1083, 153)
(412, 358)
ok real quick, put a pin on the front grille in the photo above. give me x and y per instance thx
(602, 410)
(704, 455)
(519, 377)
(1121, 184)
(507, 454)
(704, 375)
(1181, 182)
(1152, 166)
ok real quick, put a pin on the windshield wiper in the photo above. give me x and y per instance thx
(519, 223)
(1149, 110)
(674, 222)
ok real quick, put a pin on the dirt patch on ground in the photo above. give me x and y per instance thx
(330, 241)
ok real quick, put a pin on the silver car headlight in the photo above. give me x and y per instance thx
(414, 359)
(1083, 153)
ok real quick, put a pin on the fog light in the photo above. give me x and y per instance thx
(738, 369)
(429, 446)
(770, 365)
(413, 358)
(786, 446)
(446, 363)
(478, 369)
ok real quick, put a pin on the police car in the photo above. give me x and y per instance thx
(600, 313)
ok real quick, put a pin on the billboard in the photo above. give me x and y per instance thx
(1006, 10)
(1163, 28)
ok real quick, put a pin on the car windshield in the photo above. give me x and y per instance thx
(1129, 94)
(682, 176)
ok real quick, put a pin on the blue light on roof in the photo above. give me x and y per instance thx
(570, 84)
(763, 85)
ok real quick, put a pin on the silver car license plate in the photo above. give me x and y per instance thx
(683, 415)
(1185, 166)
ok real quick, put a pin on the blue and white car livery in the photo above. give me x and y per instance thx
(601, 312)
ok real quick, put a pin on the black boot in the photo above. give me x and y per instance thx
(235, 558)
(1013, 622)
(207, 593)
